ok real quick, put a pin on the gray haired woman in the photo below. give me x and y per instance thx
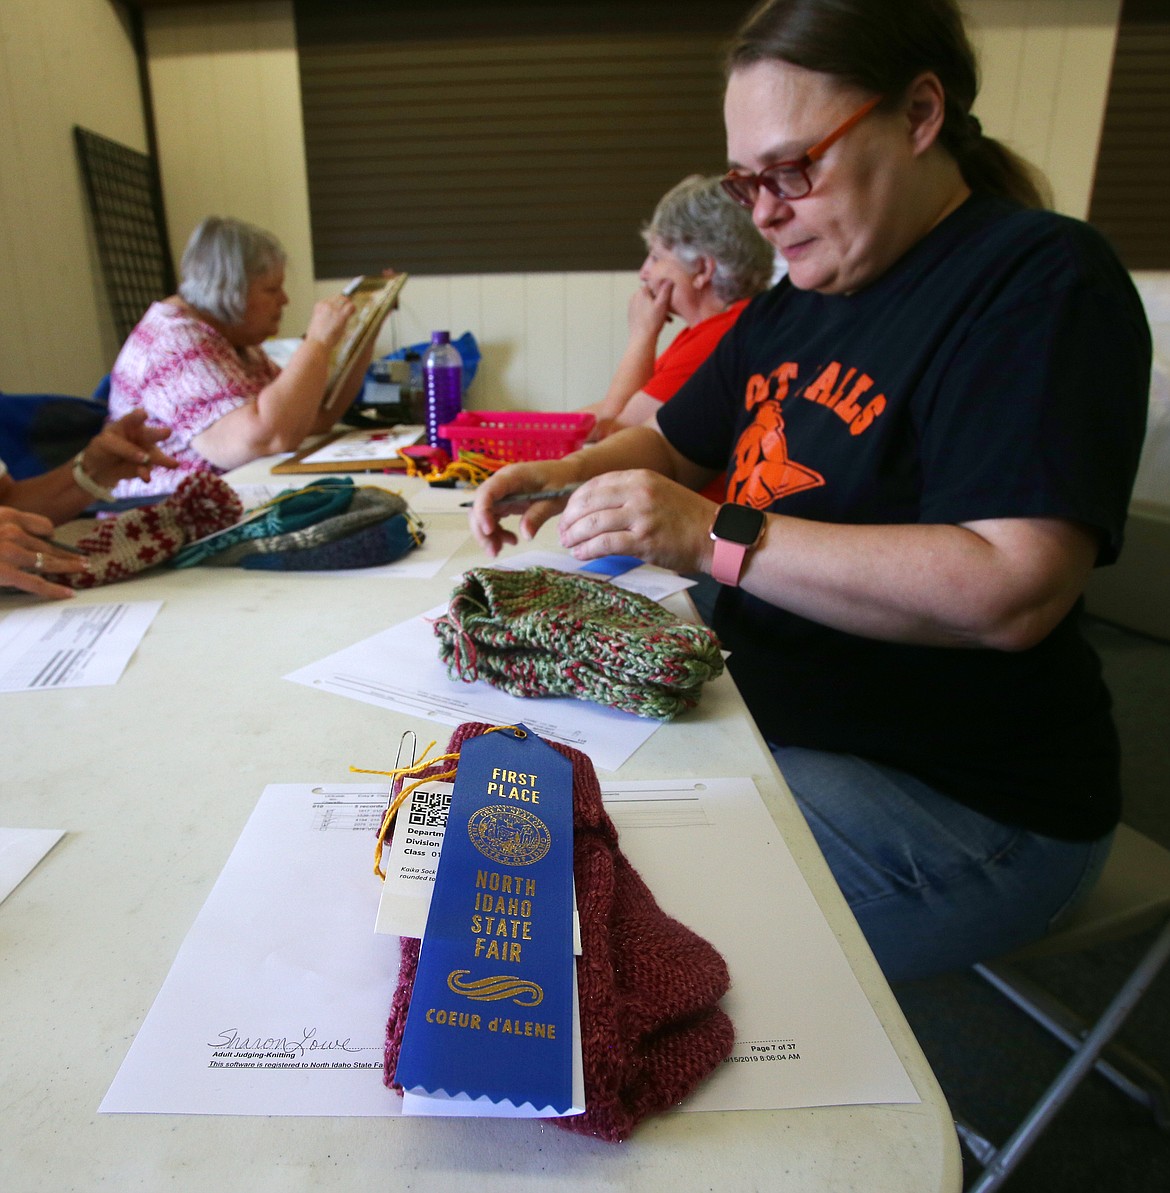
(194, 361)
(705, 260)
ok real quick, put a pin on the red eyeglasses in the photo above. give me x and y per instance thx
(789, 180)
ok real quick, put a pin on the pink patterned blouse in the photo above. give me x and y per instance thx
(187, 376)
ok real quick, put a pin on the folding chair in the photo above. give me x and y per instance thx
(1132, 896)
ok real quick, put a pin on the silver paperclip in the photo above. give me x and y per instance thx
(398, 763)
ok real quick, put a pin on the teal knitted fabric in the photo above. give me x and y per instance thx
(380, 543)
(294, 509)
(542, 632)
(367, 507)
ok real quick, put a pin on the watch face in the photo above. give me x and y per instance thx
(738, 524)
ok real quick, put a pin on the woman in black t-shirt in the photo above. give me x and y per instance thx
(931, 429)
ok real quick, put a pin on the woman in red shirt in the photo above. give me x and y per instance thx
(705, 260)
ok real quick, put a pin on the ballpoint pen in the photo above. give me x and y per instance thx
(529, 498)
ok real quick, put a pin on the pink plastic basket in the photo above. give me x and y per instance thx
(517, 435)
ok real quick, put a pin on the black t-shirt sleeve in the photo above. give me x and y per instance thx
(1041, 413)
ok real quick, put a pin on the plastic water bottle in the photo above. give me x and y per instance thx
(443, 379)
(416, 391)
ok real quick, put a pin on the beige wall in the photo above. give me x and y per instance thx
(1045, 78)
(227, 105)
(62, 62)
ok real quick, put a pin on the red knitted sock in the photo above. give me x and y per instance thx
(651, 1027)
(145, 537)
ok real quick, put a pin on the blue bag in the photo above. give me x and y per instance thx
(40, 431)
(466, 346)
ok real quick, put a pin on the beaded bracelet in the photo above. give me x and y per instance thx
(86, 482)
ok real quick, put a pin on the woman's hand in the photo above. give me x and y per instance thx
(639, 513)
(25, 553)
(327, 324)
(125, 448)
(649, 312)
(491, 501)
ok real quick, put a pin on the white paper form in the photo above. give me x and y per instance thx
(281, 978)
(20, 850)
(805, 1034)
(400, 669)
(70, 645)
(253, 496)
(365, 445)
(278, 998)
(431, 499)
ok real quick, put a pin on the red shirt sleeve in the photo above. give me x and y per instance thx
(687, 351)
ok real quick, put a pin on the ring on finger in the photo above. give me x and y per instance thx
(39, 562)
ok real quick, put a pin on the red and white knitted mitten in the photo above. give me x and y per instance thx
(143, 538)
(651, 1026)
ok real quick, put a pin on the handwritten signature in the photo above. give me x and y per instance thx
(231, 1040)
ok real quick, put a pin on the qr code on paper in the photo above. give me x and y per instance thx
(428, 809)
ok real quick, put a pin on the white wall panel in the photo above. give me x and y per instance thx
(543, 351)
(1045, 77)
(588, 338)
(500, 334)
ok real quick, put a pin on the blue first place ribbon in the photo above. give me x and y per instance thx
(491, 1013)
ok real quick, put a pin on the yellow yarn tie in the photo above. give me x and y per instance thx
(422, 764)
(473, 468)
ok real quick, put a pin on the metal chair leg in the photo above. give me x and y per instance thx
(1005, 1159)
(1117, 1064)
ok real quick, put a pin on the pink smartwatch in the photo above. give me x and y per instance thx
(736, 531)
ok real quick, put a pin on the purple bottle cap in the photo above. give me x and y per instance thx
(440, 337)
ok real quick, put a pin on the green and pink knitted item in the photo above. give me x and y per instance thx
(542, 632)
(649, 988)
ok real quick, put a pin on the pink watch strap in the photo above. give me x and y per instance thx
(727, 562)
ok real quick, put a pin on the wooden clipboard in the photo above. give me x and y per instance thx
(373, 297)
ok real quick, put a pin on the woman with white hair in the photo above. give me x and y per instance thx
(705, 260)
(194, 361)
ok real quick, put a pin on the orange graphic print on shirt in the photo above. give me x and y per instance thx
(762, 471)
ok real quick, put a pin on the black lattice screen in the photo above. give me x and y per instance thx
(125, 202)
